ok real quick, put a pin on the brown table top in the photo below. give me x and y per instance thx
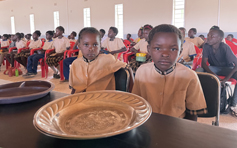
(17, 131)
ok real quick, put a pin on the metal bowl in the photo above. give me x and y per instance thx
(24, 91)
(92, 115)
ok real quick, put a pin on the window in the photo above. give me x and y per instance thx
(119, 19)
(87, 17)
(32, 23)
(178, 13)
(13, 25)
(56, 19)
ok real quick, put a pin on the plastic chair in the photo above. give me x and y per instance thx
(232, 46)
(126, 43)
(233, 81)
(124, 79)
(211, 89)
(198, 51)
(43, 39)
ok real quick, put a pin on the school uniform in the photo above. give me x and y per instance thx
(60, 45)
(188, 50)
(3, 52)
(142, 45)
(173, 92)
(10, 56)
(114, 45)
(5, 43)
(137, 40)
(94, 75)
(197, 41)
(20, 44)
(32, 61)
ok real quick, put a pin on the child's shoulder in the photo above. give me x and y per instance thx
(107, 57)
(145, 68)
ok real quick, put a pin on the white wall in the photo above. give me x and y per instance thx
(201, 14)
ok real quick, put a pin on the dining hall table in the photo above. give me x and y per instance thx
(161, 131)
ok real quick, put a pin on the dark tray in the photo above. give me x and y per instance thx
(30, 90)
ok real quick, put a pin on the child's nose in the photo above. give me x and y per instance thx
(165, 54)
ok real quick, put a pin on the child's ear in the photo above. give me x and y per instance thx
(148, 49)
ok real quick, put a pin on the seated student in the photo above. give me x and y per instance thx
(72, 36)
(171, 88)
(139, 34)
(10, 56)
(188, 53)
(28, 37)
(221, 59)
(34, 59)
(202, 37)
(19, 44)
(113, 44)
(23, 55)
(93, 71)
(60, 44)
(142, 45)
(102, 35)
(197, 41)
(230, 38)
(129, 38)
(23, 37)
(4, 51)
(68, 61)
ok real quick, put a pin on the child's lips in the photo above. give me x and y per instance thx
(164, 62)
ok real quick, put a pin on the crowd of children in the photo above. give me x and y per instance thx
(164, 79)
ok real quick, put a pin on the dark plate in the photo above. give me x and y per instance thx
(31, 90)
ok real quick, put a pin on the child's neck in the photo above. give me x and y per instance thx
(112, 38)
(50, 39)
(216, 46)
(60, 36)
(34, 39)
(192, 37)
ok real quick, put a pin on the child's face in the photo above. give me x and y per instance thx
(27, 37)
(48, 36)
(58, 32)
(90, 45)
(229, 38)
(4, 38)
(164, 49)
(72, 36)
(213, 37)
(139, 33)
(111, 33)
(102, 34)
(203, 38)
(146, 33)
(191, 33)
(35, 36)
(128, 36)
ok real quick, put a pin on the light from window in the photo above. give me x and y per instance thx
(56, 18)
(178, 13)
(119, 19)
(13, 25)
(87, 17)
(32, 23)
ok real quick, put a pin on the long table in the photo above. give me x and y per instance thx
(17, 131)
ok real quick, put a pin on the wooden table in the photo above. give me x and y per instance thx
(17, 131)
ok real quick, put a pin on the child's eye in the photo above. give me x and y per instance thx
(173, 49)
(95, 45)
(86, 45)
(157, 48)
